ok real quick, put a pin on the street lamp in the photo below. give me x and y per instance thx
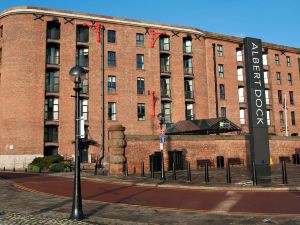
(161, 118)
(78, 74)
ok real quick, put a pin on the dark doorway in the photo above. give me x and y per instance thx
(179, 159)
(50, 150)
(156, 158)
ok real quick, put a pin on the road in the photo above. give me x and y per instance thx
(262, 202)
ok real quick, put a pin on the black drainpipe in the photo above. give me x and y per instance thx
(216, 82)
(102, 94)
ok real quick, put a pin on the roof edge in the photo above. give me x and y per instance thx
(141, 23)
(95, 17)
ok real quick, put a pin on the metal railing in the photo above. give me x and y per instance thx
(166, 93)
(164, 68)
(53, 60)
(189, 94)
(188, 70)
(82, 61)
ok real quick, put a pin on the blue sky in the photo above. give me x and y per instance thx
(275, 21)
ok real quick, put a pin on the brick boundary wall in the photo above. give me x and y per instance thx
(196, 147)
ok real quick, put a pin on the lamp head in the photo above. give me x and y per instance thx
(78, 72)
(161, 117)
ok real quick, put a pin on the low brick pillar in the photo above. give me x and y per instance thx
(116, 145)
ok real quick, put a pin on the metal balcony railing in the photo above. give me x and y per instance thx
(82, 61)
(190, 116)
(164, 68)
(166, 93)
(188, 70)
(189, 94)
(53, 60)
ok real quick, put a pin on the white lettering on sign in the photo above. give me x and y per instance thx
(258, 92)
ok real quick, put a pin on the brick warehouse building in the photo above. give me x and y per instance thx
(174, 75)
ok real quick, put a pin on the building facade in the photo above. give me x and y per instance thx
(149, 68)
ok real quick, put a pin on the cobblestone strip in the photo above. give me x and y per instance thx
(13, 218)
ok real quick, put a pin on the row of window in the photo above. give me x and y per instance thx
(291, 97)
(239, 55)
(266, 78)
(281, 116)
(112, 111)
(82, 35)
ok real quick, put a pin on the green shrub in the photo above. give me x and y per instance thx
(33, 168)
(57, 167)
(37, 161)
(45, 162)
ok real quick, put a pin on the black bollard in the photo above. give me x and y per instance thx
(206, 175)
(283, 171)
(254, 175)
(174, 170)
(126, 169)
(4, 168)
(189, 174)
(25, 170)
(228, 174)
(152, 168)
(40, 170)
(14, 169)
(142, 169)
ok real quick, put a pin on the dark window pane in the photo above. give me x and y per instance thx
(280, 96)
(82, 56)
(82, 34)
(222, 91)
(139, 39)
(51, 134)
(111, 36)
(140, 86)
(111, 85)
(140, 61)
(52, 81)
(53, 30)
(52, 54)
(293, 118)
(111, 59)
(141, 111)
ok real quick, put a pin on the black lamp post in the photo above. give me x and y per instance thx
(161, 118)
(78, 74)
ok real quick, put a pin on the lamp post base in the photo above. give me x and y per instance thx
(76, 215)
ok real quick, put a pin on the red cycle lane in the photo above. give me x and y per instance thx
(265, 202)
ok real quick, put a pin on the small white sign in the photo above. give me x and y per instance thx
(161, 146)
(82, 131)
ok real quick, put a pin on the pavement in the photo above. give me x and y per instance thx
(46, 199)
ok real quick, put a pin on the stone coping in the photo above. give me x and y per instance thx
(204, 137)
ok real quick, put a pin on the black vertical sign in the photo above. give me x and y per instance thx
(257, 113)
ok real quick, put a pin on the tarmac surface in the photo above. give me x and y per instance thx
(42, 199)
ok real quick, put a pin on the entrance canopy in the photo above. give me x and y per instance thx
(204, 126)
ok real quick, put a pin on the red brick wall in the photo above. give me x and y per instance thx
(139, 148)
(22, 85)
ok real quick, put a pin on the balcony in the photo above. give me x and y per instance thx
(82, 61)
(53, 32)
(164, 47)
(190, 117)
(189, 96)
(168, 118)
(165, 70)
(52, 61)
(242, 102)
(188, 72)
(166, 95)
(187, 50)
